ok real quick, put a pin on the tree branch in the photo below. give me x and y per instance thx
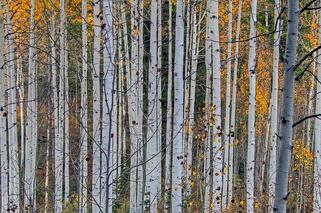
(305, 118)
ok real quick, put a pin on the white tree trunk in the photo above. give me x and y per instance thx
(233, 107)
(169, 115)
(208, 103)
(107, 146)
(83, 169)
(153, 144)
(96, 110)
(66, 123)
(217, 130)
(228, 149)
(178, 120)
(317, 139)
(274, 105)
(285, 151)
(31, 139)
(58, 146)
(21, 92)
(14, 202)
(133, 107)
(3, 128)
(250, 167)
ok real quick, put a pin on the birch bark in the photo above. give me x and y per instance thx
(283, 162)
(178, 119)
(3, 128)
(14, 185)
(274, 104)
(250, 167)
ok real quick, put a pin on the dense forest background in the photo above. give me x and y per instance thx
(160, 106)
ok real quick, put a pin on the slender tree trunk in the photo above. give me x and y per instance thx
(3, 128)
(227, 179)
(208, 103)
(317, 139)
(234, 92)
(283, 163)
(274, 105)
(178, 119)
(133, 107)
(31, 140)
(169, 115)
(96, 110)
(58, 146)
(153, 145)
(14, 201)
(83, 170)
(194, 62)
(107, 147)
(21, 92)
(250, 167)
(66, 123)
(140, 111)
(217, 130)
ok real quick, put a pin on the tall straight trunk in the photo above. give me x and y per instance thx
(49, 126)
(83, 169)
(250, 166)
(107, 155)
(274, 105)
(66, 123)
(96, 110)
(195, 39)
(217, 130)
(133, 107)
(227, 179)
(14, 202)
(31, 139)
(21, 92)
(140, 112)
(178, 119)
(169, 114)
(158, 157)
(317, 139)
(283, 162)
(58, 146)
(153, 144)
(234, 92)
(187, 83)
(3, 128)
(208, 174)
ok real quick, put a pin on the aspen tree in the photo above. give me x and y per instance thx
(317, 138)
(21, 92)
(66, 123)
(274, 104)
(250, 166)
(283, 162)
(140, 112)
(195, 39)
(169, 114)
(234, 93)
(3, 128)
(133, 107)
(14, 186)
(31, 139)
(96, 109)
(227, 145)
(83, 170)
(107, 146)
(153, 144)
(217, 130)
(178, 118)
(208, 103)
